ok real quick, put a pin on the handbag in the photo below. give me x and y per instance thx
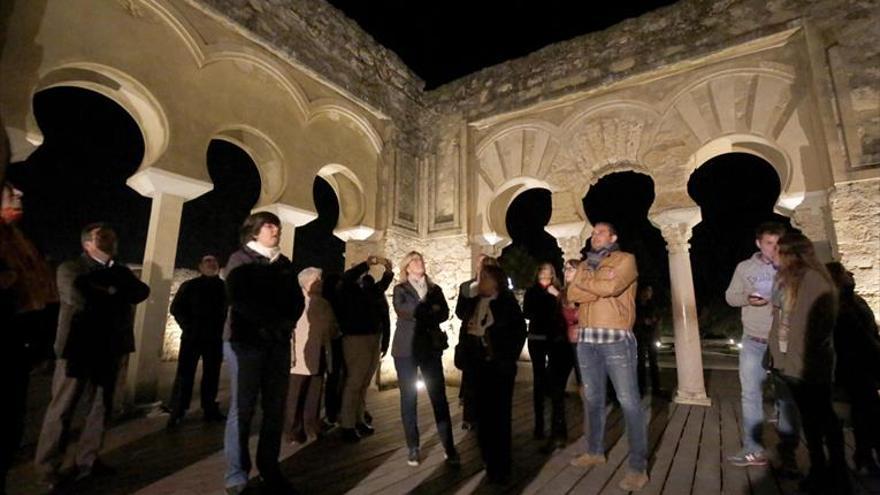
(439, 341)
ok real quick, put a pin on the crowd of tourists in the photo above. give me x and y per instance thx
(303, 348)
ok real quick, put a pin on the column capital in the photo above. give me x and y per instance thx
(357, 233)
(289, 214)
(152, 181)
(676, 226)
(491, 239)
(569, 229)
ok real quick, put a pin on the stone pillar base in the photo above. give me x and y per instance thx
(691, 399)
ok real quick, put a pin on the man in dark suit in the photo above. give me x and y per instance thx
(95, 331)
(200, 309)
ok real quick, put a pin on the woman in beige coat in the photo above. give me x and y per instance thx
(310, 359)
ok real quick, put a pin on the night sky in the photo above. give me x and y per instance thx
(442, 41)
(92, 146)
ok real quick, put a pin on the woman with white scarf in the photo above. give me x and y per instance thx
(418, 346)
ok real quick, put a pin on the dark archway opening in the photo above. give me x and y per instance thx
(77, 176)
(210, 223)
(530, 244)
(735, 192)
(314, 243)
(623, 199)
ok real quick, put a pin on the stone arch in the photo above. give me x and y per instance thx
(520, 149)
(758, 101)
(334, 109)
(204, 54)
(352, 202)
(123, 89)
(744, 143)
(751, 110)
(266, 155)
(494, 214)
(602, 136)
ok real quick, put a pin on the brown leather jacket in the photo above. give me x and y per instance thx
(607, 295)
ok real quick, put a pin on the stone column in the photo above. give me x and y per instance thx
(169, 191)
(811, 213)
(291, 218)
(676, 227)
(570, 237)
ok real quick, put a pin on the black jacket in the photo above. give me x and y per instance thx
(418, 321)
(200, 309)
(101, 323)
(504, 338)
(363, 309)
(544, 313)
(265, 300)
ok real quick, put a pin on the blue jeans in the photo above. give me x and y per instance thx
(752, 376)
(256, 371)
(432, 374)
(617, 361)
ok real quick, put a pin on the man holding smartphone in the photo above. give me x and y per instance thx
(751, 289)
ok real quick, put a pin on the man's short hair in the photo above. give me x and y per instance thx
(307, 274)
(611, 228)
(769, 228)
(86, 233)
(254, 222)
(206, 256)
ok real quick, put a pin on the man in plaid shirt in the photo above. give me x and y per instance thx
(605, 287)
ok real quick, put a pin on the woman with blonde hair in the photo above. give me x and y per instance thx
(801, 352)
(418, 345)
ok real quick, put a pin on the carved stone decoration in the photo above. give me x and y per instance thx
(677, 237)
(568, 173)
(406, 191)
(133, 7)
(443, 186)
(522, 150)
(607, 140)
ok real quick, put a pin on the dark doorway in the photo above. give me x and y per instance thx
(210, 223)
(735, 192)
(531, 245)
(623, 199)
(315, 245)
(77, 176)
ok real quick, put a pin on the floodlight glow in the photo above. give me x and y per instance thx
(420, 385)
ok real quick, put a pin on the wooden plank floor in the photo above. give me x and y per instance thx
(688, 447)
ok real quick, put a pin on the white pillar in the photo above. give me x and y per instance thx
(676, 227)
(169, 191)
(291, 217)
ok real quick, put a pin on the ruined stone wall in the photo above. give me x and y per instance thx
(687, 30)
(855, 207)
(317, 35)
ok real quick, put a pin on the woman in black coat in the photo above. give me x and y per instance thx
(488, 349)
(546, 331)
(418, 346)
